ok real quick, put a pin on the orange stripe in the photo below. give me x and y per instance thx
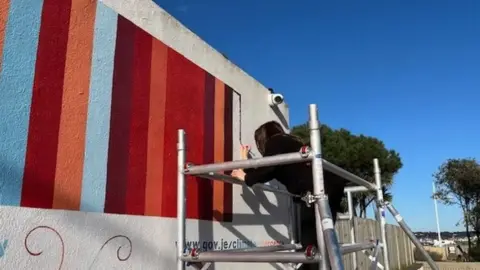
(218, 186)
(4, 9)
(156, 126)
(71, 140)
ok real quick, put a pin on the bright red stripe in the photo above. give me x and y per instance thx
(184, 110)
(137, 175)
(205, 185)
(228, 153)
(40, 163)
(118, 149)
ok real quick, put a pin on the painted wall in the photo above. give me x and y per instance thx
(91, 97)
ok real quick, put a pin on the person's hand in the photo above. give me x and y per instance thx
(239, 174)
(244, 151)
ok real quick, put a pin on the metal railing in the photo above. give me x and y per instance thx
(330, 251)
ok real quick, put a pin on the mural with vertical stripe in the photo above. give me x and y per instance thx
(90, 110)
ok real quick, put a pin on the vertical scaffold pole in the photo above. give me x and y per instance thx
(181, 199)
(381, 213)
(352, 227)
(326, 236)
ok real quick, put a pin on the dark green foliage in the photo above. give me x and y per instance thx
(355, 153)
(458, 182)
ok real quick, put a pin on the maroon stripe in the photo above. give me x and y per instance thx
(41, 158)
(206, 186)
(137, 176)
(228, 154)
(117, 166)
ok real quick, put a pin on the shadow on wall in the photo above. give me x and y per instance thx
(280, 116)
(256, 199)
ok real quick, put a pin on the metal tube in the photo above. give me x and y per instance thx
(352, 248)
(292, 225)
(263, 249)
(235, 181)
(181, 199)
(323, 214)
(381, 213)
(318, 185)
(281, 159)
(352, 227)
(374, 264)
(347, 175)
(331, 241)
(262, 254)
(410, 235)
(355, 189)
(254, 256)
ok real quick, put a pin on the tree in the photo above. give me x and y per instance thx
(458, 182)
(355, 153)
(474, 221)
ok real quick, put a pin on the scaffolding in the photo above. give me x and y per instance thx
(330, 252)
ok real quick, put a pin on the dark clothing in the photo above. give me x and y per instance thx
(298, 179)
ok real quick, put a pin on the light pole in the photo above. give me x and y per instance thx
(436, 213)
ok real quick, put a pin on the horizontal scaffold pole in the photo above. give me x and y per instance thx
(263, 249)
(281, 159)
(350, 248)
(252, 257)
(356, 189)
(260, 254)
(235, 181)
(347, 175)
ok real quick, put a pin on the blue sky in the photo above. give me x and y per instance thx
(403, 71)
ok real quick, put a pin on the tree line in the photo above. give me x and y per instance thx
(457, 180)
(355, 153)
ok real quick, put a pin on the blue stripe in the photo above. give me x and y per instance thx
(99, 105)
(16, 84)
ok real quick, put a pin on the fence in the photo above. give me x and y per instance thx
(401, 249)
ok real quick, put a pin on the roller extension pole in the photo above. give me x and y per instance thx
(281, 159)
(410, 235)
(381, 213)
(181, 199)
(352, 227)
(322, 209)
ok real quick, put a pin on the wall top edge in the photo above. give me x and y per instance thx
(160, 24)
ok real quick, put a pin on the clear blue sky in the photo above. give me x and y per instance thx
(403, 71)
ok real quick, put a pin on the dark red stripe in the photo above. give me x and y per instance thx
(41, 158)
(184, 110)
(137, 176)
(228, 154)
(206, 186)
(118, 149)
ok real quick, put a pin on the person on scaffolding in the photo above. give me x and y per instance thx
(272, 140)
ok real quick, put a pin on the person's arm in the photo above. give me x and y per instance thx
(264, 174)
